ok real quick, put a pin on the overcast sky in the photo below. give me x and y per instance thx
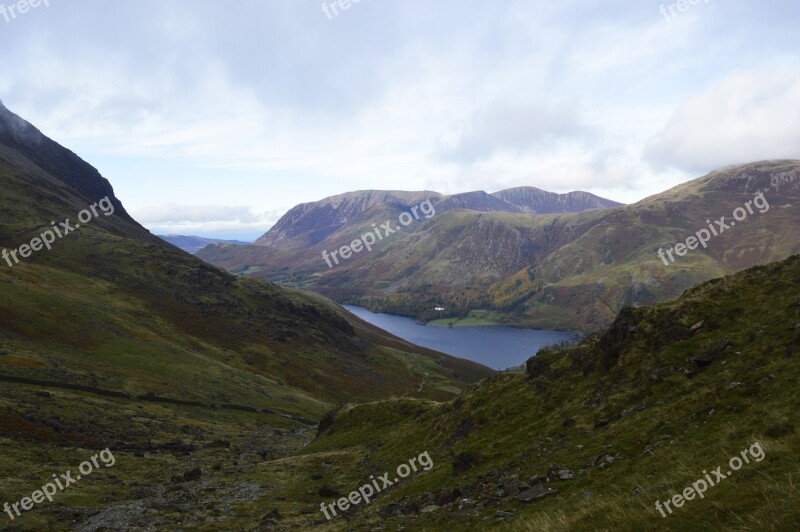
(214, 118)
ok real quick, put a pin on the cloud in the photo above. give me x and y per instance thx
(748, 116)
(272, 104)
(173, 218)
(509, 127)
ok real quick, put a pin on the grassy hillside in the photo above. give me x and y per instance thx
(114, 338)
(115, 307)
(636, 415)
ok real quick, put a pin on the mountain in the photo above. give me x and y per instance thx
(309, 224)
(193, 244)
(535, 201)
(592, 437)
(274, 332)
(112, 338)
(569, 270)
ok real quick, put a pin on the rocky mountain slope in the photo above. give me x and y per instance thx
(568, 270)
(310, 224)
(535, 201)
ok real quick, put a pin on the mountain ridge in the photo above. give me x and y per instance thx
(309, 223)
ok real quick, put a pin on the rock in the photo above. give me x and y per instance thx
(430, 509)
(637, 490)
(329, 491)
(560, 473)
(536, 480)
(510, 488)
(504, 513)
(194, 474)
(604, 461)
(492, 502)
(392, 509)
(539, 492)
(464, 462)
(466, 503)
(705, 359)
(447, 497)
(697, 326)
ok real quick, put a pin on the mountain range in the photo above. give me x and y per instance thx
(535, 259)
(309, 224)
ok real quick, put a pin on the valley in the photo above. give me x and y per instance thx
(563, 271)
(400, 266)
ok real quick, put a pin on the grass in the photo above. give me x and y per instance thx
(599, 399)
(476, 318)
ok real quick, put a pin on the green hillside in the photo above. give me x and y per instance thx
(116, 339)
(636, 415)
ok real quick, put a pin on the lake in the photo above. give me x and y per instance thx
(496, 347)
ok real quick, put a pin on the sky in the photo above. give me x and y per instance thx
(214, 118)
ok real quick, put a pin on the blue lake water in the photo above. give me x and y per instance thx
(495, 347)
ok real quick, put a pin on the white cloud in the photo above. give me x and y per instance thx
(173, 218)
(271, 104)
(510, 127)
(748, 116)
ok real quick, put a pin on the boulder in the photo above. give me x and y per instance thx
(560, 473)
(538, 492)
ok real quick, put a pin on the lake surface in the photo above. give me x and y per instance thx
(496, 347)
